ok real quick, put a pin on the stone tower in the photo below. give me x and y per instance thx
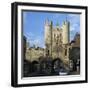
(65, 40)
(57, 40)
(48, 37)
(65, 32)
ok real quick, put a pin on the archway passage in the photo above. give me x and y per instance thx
(56, 65)
(35, 67)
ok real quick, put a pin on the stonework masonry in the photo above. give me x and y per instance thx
(57, 39)
(57, 43)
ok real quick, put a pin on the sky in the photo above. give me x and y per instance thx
(33, 25)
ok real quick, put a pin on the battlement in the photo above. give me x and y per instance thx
(51, 31)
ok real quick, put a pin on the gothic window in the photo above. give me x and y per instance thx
(54, 35)
(60, 35)
(65, 52)
(57, 36)
(57, 28)
(47, 52)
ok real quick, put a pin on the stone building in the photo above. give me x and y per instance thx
(57, 43)
(57, 40)
(33, 53)
(74, 53)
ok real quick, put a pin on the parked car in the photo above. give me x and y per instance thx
(63, 72)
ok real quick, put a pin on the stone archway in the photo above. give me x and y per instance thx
(35, 66)
(56, 64)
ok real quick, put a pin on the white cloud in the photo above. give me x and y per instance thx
(37, 41)
(74, 27)
(30, 34)
(74, 22)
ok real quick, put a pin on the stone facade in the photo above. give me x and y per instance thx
(57, 43)
(33, 54)
(57, 40)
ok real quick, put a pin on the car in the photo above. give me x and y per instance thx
(63, 72)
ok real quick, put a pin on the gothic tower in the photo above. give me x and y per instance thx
(65, 32)
(65, 39)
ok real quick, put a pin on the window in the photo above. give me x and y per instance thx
(65, 52)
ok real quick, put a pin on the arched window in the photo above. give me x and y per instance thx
(54, 36)
(65, 52)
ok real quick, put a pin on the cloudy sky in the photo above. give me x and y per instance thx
(33, 25)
